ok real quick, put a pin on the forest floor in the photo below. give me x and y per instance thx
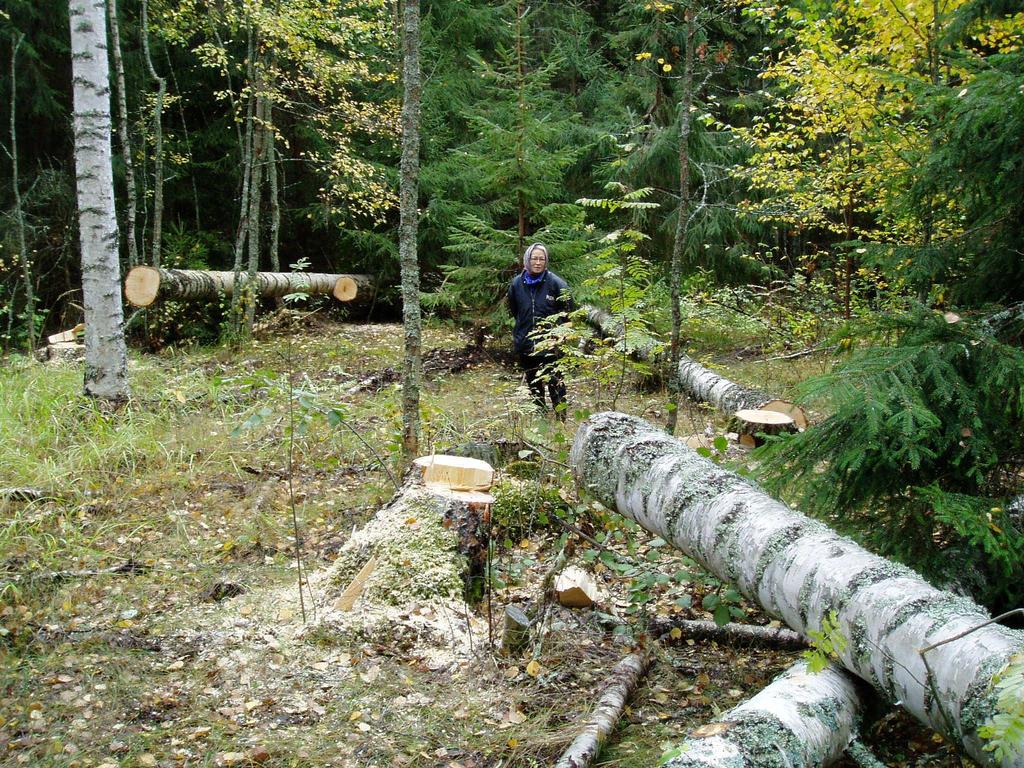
(150, 614)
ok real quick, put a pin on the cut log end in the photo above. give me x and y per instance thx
(455, 473)
(142, 285)
(752, 422)
(346, 289)
(794, 411)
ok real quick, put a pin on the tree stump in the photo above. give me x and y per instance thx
(753, 423)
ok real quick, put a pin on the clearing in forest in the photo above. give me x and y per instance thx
(151, 611)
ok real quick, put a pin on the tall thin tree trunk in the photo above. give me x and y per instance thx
(679, 245)
(19, 211)
(106, 360)
(246, 141)
(270, 163)
(255, 202)
(186, 135)
(409, 220)
(158, 141)
(520, 124)
(126, 141)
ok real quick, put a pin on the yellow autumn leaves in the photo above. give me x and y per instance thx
(645, 55)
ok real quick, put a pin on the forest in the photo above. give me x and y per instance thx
(500, 383)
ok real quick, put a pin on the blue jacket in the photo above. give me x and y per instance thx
(529, 304)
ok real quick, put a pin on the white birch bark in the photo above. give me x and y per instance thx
(144, 285)
(801, 719)
(799, 570)
(622, 682)
(106, 364)
(412, 368)
(727, 396)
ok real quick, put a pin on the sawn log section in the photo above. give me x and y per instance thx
(800, 571)
(696, 381)
(144, 285)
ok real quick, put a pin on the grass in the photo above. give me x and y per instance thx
(149, 668)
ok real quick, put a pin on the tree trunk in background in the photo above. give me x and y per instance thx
(802, 719)
(106, 359)
(255, 203)
(19, 211)
(275, 193)
(413, 364)
(520, 126)
(679, 244)
(131, 194)
(800, 571)
(245, 148)
(158, 142)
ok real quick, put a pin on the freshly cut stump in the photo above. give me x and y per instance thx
(802, 719)
(456, 473)
(752, 423)
(801, 572)
(425, 547)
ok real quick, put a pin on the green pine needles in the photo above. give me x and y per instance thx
(922, 451)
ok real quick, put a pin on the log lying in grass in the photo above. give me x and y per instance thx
(621, 684)
(699, 383)
(696, 381)
(144, 285)
(645, 348)
(728, 634)
(800, 571)
(801, 719)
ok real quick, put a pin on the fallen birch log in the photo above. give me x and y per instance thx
(696, 381)
(621, 684)
(800, 571)
(144, 285)
(801, 719)
(704, 385)
(641, 346)
(728, 634)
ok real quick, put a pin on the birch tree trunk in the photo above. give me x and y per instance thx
(801, 719)
(706, 386)
(622, 683)
(679, 243)
(131, 194)
(275, 194)
(413, 363)
(800, 571)
(106, 360)
(19, 211)
(245, 149)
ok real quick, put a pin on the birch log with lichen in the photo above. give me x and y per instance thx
(704, 385)
(144, 285)
(802, 719)
(623, 681)
(801, 571)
